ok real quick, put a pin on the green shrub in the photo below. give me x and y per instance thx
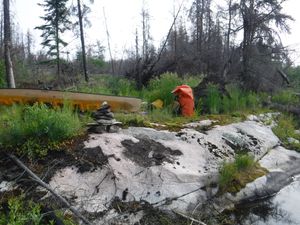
(161, 87)
(34, 130)
(213, 101)
(23, 212)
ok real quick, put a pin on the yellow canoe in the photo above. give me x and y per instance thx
(82, 101)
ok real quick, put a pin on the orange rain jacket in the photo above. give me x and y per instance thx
(186, 99)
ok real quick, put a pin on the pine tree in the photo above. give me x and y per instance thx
(56, 22)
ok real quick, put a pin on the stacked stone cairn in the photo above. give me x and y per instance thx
(104, 119)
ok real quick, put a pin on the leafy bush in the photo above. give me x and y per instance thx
(34, 130)
(161, 87)
(285, 129)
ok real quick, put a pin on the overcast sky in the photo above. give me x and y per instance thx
(123, 16)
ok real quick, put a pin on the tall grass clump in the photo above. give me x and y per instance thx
(213, 100)
(235, 175)
(285, 130)
(234, 100)
(239, 100)
(33, 130)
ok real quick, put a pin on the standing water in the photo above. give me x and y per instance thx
(282, 209)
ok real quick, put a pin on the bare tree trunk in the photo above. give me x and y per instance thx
(108, 43)
(249, 29)
(175, 37)
(137, 59)
(228, 30)
(82, 42)
(1, 36)
(7, 45)
(57, 45)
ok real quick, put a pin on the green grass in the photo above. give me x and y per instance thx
(164, 119)
(235, 175)
(286, 126)
(34, 130)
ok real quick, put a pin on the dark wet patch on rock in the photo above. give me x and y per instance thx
(148, 153)
(90, 159)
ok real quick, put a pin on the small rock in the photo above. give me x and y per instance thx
(200, 124)
(253, 118)
(297, 132)
(293, 140)
(7, 186)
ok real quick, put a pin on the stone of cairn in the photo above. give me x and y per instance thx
(104, 119)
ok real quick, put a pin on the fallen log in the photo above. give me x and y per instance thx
(46, 186)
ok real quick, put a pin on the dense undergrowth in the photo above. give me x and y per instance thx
(35, 130)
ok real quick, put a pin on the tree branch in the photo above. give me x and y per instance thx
(46, 186)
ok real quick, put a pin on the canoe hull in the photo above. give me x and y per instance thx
(82, 101)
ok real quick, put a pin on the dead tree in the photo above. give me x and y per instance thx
(7, 45)
(82, 41)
